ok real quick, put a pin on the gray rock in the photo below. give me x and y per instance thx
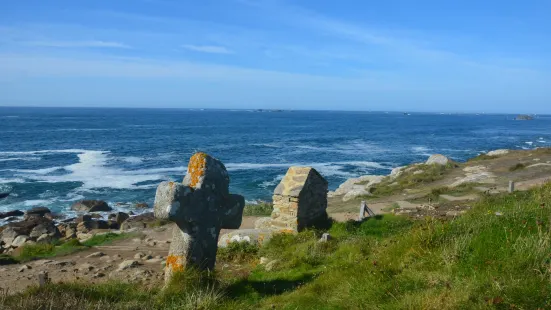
(19, 241)
(45, 238)
(24, 268)
(44, 229)
(95, 255)
(141, 205)
(438, 159)
(498, 152)
(86, 267)
(128, 264)
(139, 255)
(91, 206)
(325, 237)
(140, 221)
(119, 217)
(11, 213)
(40, 211)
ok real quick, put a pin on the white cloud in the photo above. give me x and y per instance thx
(208, 49)
(78, 44)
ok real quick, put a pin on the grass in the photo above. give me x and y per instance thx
(39, 251)
(259, 209)
(460, 190)
(496, 256)
(238, 252)
(516, 167)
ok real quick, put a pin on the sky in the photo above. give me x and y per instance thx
(394, 55)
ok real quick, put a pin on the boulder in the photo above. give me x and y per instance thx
(47, 228)
(26, 226)
(45, 238)
(438, 159)
(139, 221)
(11, 213)
(128, 264)
(252, 236)
(141, 205)
(19, 241)
(396, 172)
(40, 211)
(91, 206)
(355, 187)
(119, 217)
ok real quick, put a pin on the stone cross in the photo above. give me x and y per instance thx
(200, 206)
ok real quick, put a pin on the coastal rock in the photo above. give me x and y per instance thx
(252, 236)
(5, 191)
(46, 228)
(128, 264)
(11, 213)
(139, 221)
(40, 211)
(91, 206)
(355, 187)
(141, 205)
(4, 195)
(119, 217)
(524, 117)
(19, 241)
(26, 226)
(438, 159)
(357, 191)
(498, 152)
(396, 172)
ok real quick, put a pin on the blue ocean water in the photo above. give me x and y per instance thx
(55, 156)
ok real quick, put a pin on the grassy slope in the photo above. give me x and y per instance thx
(498, 255)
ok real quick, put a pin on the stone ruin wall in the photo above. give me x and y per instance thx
(300, 200)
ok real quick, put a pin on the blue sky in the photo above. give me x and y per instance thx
(483, 56)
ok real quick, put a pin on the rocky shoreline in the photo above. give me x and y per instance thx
(41, 225)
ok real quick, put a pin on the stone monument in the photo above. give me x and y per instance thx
(200, 206)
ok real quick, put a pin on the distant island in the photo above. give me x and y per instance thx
(523, 117)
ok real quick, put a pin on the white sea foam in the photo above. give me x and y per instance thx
(270, 145)
(20, 158)
(12, 180)
(271, 183)
(529, 142)
(74, 151)
(133, 160)
(35, 171)
(93, 171)
(36, 202)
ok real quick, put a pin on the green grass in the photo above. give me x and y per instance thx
(496, 256)
(238, 252)
(259, 209)
(516, 167)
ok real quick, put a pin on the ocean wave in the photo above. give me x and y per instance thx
(74, 151)
(92, 171)
(19, 159)
(35, 171)
(12, 180)
(133, 160)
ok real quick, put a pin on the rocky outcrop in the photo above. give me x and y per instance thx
(91, 206)
(11, 213)
(40, 211)
(438, 159)
(141, 205)
(140, 221)
(498, 152)
(357, 187)
(524, 117)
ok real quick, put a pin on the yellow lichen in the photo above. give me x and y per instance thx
(196, 167)
(175, 262)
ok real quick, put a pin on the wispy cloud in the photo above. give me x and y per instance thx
(211, 49)
(78, 44)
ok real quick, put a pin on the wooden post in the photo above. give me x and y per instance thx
(511, 186)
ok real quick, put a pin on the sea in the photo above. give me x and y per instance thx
(55, 156)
